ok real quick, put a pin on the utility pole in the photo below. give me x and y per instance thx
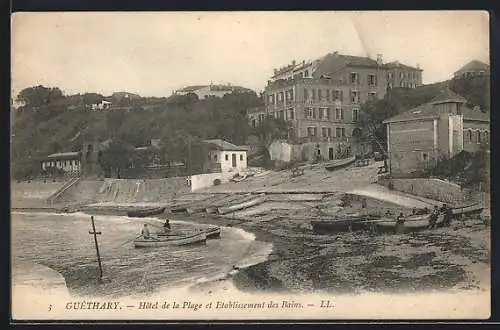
(95, 233)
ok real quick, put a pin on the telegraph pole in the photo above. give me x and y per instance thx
(95, 233)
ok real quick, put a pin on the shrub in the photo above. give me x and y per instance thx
(217, 182)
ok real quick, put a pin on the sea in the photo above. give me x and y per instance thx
(63, 242)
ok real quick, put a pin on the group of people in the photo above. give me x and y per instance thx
(445, 210)
(145, 233)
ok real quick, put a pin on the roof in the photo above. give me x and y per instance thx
(397, 64)
(474, 65)
(334, 62)
(223, 145)
(65, 155)
(192, 88)
(428, 111)
(447, 95)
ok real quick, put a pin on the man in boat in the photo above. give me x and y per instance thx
(145, 231)
(399, 223)
(166, 226)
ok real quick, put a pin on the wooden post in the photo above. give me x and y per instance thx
(95, 233)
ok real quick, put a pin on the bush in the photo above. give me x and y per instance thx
(217, 182)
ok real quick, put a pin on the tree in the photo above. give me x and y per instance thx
(271, 129)
(116, 158)
(39, 96)
(475, 89)
(371, 117)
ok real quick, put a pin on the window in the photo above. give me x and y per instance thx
(355, 113)
(253, 123)
(424, 156)
(320, 114)
(320, 96)
(290, 114)
(329, 132)
(339, 114)
(308, 113)
(355, 97)
(309, 131)
(306, 94)
(338, 132)
(354, 77)
(209, 156)
(314, 113)
(241, 157)
(401, 75)
(469, 135)
(315, 131)
(372, 80)
(342, 132)
(329, 113)
(324, 132)
(372, 96)
(389, 75)
(280, 97)
(338, 95)
(306, 73)
(478, 136)
(227, 157)
(328, 95)
(290, 92)
(215, 157)
(314, 94)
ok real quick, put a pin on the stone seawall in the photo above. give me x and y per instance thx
(436, 189)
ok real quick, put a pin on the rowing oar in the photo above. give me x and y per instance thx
(128, 241)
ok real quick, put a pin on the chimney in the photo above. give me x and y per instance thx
(380, 60)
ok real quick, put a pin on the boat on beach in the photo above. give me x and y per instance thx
(256, 200)
(142, 213)
(413, 222)
(210, 232)
(226, 201)
(170, 239)
(339, 163)
(467, 209)
(348, 222)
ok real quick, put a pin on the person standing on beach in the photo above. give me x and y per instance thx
(166, 226)
(433, 218)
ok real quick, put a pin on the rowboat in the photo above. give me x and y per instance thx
(467, 209)
(340, 163)
(413, 222)
(226, 201)
(210, 232)
(243, 205)
(167, 240)
(145, 212)
(339, 224)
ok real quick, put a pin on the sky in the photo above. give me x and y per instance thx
(154, 53)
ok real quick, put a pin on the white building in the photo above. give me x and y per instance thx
(225, 157)
(103, 105)
(204, 91)
(69, 162)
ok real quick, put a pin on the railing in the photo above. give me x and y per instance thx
(52, 198)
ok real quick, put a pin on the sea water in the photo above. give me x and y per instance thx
(63, 243)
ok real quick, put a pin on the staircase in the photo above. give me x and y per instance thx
(59, 192)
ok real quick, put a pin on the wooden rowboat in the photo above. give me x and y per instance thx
(213, 232)
(340, 224)
(243, 205)
(413, 222)
(467, 209)
(340, 163)
(167, 240)
(145, 212)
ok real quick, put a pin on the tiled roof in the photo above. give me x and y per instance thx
(447, 95)
(332, 63)
(397, 64)
(428, 111)
(474, 65)
(223, 145)
(60, 155)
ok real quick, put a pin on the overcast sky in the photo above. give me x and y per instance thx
(152, 54)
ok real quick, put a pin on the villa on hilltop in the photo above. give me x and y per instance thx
(211, 90)
(473, 69)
